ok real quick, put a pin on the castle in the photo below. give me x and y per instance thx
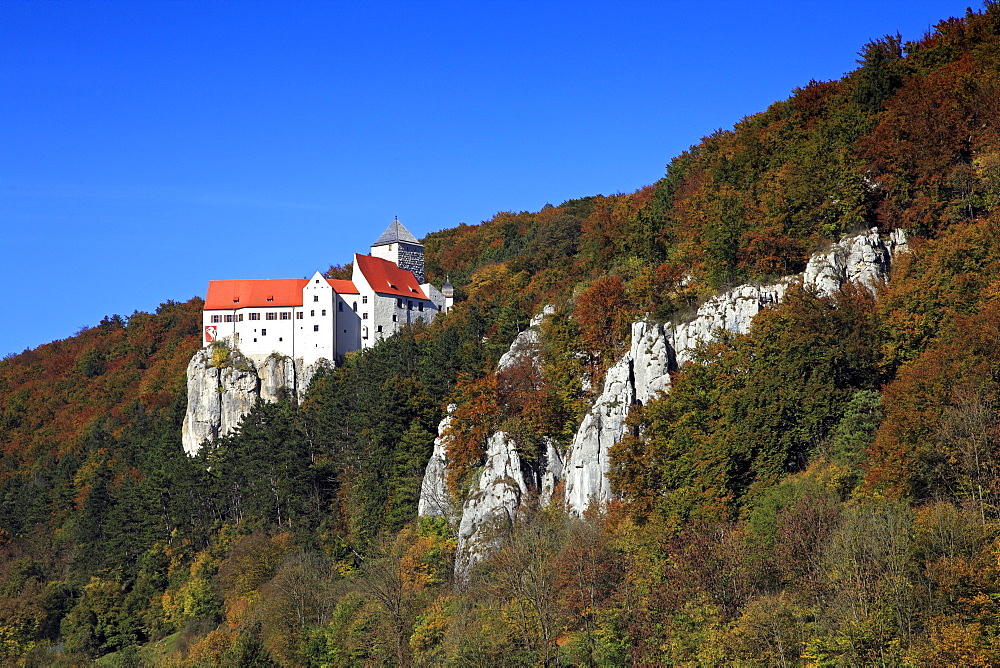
(320, 318)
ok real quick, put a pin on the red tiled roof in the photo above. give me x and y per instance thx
(342, 287)
(254, 293)
(387, 279)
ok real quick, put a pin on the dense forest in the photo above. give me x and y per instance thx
(824, 490)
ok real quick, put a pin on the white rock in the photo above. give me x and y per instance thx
(435, 500)
(495, 503)
(204, 404)
(640, 375)
(552, 472)
(277, 378)
(219, 398)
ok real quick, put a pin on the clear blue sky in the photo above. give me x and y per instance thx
(148, 147)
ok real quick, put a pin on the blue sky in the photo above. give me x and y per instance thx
(148, 147)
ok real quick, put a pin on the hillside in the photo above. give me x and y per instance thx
(820, 489)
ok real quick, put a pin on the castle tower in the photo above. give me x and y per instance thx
(449, 294)
(397, 245)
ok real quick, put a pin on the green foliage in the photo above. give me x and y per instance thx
(755, 409)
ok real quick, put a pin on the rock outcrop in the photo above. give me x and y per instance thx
(733, 311)
(641, 374)
(864, 258)
(435, 500)
(495, 502)
(223, 385)
(506, 482)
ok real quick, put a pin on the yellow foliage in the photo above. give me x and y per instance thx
(209, 650)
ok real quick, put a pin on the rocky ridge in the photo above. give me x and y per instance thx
(223, 385)
(505, 482)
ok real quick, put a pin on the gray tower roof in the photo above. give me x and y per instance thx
(395, 234)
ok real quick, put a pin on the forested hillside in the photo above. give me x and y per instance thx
(824, 490)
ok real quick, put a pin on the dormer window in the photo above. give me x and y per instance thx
(236, 300)
(270, 299)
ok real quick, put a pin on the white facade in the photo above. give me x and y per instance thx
(319, 318)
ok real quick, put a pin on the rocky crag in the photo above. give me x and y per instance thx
(506, 483)
(223, 385)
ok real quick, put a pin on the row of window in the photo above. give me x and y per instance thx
(287, 315)
(409, 305)
(270, 315)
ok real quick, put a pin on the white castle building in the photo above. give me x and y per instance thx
(316, 318)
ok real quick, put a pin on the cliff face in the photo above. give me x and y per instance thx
(637, 377)
(224, 385)
(506, 482)
(864, 258)
(435, 501)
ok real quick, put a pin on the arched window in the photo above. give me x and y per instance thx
(355, 307)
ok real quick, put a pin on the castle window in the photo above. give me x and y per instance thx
(409, 304)
(364, 316)
(355, 307)
(315, 298)
(270, 299)
(315, 328)
(255, 316)
(299, 315)
(420, 306)
(340, 306)
(229, 317)
(399, 303)
(312, 313)
(271, 315)
(380, 329)
(216, 318)
(323, 312)
(263, 332)
(364, 332)
(364, 299)
(316, 281)
(286, 315)
(239, 317)
(395, 318)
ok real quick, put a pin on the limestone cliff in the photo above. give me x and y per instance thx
(637, 377)
(506, 482)
(435, 500)
(223, 385)
(495, 501)
(863, 258)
